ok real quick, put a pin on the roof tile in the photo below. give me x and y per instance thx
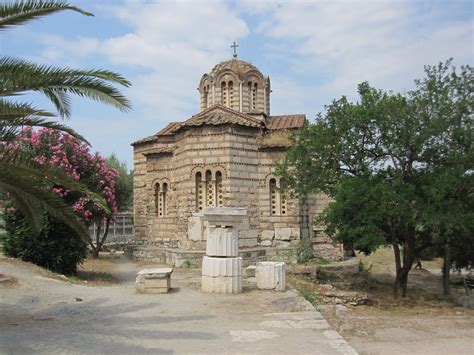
(285, 122)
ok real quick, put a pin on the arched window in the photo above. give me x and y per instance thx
(209, 189)
(199, 192)
(219, 191)
(278, 198)
(206, 97)
(274, 198)
(282, 198)
(254, 96)
(230, 96)
(157, 198)
(160, 199)
(223, 93)
(164, 202)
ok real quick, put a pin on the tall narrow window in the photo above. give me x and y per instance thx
(206, 97)
(219, 192)
(282, 192)
(223, 93)
(254, 96)
(250, 94)
(157, 199)
(164, 202)
(199, 192)
(209, 189)
(274, 208)
(230, 89)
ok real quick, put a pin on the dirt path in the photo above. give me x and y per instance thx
(42, 313)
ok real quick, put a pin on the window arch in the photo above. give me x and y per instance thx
(199, 192)
(161, 199)
(254, 96)
(278, 197)
(219, 190)
(164, 202)
(209, 190)
(230, 94)
(274, 208)
(157, 198)
(282, 190)
(206, 96)
(223, 93)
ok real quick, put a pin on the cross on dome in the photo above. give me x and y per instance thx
(234, 46)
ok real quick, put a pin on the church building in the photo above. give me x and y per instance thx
(223, 156)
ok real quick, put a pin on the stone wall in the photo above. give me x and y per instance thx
(246, 171)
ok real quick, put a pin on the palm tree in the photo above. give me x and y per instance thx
(24, 180)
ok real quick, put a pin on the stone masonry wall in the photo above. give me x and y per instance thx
(246, 172)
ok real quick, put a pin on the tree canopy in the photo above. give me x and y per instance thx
(398, 167)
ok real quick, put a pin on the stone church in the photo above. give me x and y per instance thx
(225, 156)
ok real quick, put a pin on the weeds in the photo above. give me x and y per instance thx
(304, 252)
(308, 295)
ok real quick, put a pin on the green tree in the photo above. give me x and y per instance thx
(20, 176)
(123, 184)
(123, 198)
(381, 159)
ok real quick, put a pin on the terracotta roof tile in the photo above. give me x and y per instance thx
(218, 114)
(285, 122)
(169, 129)
(160, 150)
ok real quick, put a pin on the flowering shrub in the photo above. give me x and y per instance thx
(72, 156)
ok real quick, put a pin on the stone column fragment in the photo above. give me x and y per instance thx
(271, 275)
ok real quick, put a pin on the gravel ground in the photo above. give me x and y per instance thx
(45, 314)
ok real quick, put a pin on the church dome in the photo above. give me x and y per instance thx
(240, 67)
(236, 84)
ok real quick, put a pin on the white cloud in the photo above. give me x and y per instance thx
(327, 47)
(347, 42)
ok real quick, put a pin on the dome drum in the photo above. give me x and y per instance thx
(238, 85)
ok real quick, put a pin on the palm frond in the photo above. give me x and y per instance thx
(14, 116)
(21, 164)
(18, 76)
(31, 212)
(19, 12)
(32, 200)
(10, 109)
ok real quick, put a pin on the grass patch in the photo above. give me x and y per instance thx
(308, 294)
(92, 276)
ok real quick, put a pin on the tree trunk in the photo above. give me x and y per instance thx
(401, 278)
(96, 247)
(100, 239)
(398, 268)
(446, 268)
(104, 236)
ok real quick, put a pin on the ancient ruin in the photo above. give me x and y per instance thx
(222, 265)
(224, 156)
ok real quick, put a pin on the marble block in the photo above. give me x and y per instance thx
(222, 284)
(213, 267)
(222, 242)
(271, 275)
(224, 216)
(156, 280)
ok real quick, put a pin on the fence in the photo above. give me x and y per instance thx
(120, 230)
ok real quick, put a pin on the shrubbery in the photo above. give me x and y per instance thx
(57, 247)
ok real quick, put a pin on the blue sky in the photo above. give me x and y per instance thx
(313, 51)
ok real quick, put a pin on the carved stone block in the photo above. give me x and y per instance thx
(271, 275)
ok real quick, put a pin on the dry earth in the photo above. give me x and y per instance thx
(423, 323)
(100, 313)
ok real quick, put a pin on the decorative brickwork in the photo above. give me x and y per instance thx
(216, 158)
